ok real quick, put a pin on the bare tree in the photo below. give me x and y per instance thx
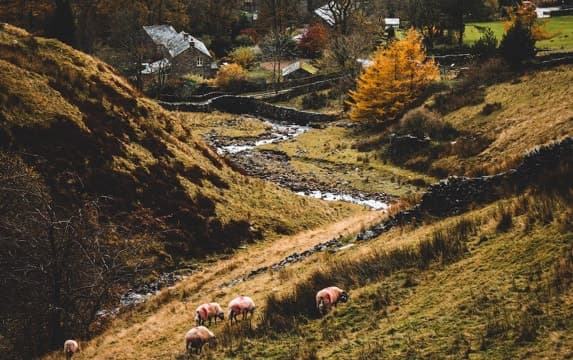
(343, 12)
(277, 17)
(60, 265)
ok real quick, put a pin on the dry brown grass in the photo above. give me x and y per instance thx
(156, 329)
(535, 109)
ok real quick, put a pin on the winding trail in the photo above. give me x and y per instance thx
(153, 325)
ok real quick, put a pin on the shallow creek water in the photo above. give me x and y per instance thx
(285, 132)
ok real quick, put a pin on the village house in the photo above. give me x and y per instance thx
(172, 54)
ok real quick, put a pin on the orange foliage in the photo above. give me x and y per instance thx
(526, 13)
(230, 75)
(314, 40)
(398, 74)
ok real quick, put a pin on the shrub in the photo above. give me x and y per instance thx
(422, 122)
(486, 46)
(195, 81)
(231, 77)
(314, 101)
(244, 56)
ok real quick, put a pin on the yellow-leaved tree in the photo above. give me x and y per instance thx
(397, 75)
(528, 16)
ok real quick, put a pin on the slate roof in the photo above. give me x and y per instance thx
(174, 42)
(325, 14)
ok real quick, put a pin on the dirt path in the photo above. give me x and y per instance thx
(157, 327)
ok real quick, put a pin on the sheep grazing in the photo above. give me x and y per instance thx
(70, 348)
(208, 311)
(241, 305)
(329, 297)
(197, 337)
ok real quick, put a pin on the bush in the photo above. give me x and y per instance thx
(314, 101)
(517, 44)
(244, 56)
(194, 81)
(231, 77)
(422, 123)
(486, 46)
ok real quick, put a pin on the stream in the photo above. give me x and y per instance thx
(275, 166)
(272, 166)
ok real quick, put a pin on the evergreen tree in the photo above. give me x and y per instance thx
(398, 74)
(517, 44)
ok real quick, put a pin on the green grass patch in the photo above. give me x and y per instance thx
(562, 26)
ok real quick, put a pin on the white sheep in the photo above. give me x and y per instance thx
(197, 337)
(208, 311)
(241, 305)
(70, 348)
(329, 297)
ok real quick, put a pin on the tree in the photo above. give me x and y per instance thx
(343, 12)
(518, 44)
(276, 18)
(398, 74)
(59, 264)
(314, 40)
(62, 23)
(528, 17)
(244, 56)
(486, 46)
(217, 20)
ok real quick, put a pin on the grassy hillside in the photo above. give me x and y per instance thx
(76, 118)
(100, 187)
(492, 283)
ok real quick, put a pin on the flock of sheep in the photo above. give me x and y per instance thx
(200, 335)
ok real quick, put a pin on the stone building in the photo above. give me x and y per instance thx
(172, 54)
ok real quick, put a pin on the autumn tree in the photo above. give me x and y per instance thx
(527, 17)
(314, 40)
(244, 56)
(398, 74)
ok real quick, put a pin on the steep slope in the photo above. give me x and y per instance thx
(492, 283)
(89, 133)
(100, 187)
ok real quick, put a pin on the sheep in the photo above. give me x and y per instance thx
(197, 337)
(208, 311)
(241, 305)
(329, 297)
(70, 348)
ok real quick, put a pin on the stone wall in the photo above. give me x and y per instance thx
(259, 108)
(456, 195)
(301, 90)
(247, 105)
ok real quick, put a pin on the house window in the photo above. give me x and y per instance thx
(200, 62)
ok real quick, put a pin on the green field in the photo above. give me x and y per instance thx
(561, 26)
